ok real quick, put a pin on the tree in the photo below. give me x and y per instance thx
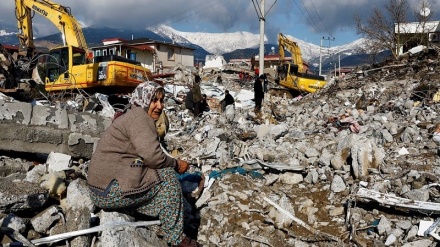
(381, 27)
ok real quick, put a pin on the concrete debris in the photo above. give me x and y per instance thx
(336, 167)
(398, 202)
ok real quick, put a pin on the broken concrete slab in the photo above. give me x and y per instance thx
(397, 202)
(43, 129)
(17, 196)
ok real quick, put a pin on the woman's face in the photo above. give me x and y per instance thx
(156, 106)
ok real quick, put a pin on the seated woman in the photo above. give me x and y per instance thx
(129, 169)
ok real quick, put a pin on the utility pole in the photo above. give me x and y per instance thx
(320, 55)
(339, 61)
(262, 20)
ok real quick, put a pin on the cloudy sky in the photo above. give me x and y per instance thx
(309, 20)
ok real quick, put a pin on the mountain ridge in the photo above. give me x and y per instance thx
(238, 44)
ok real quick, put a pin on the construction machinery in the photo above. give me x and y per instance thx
(72, 66)
(292, 74)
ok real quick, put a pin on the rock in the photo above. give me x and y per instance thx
(44, 220)
(336, 211)
(338, 184)
(17, 196)
(78, 196)
(78, 219)
(384, 226)
(270, 179)
(418, 195)
(291, 178)
(404, 224)
(391, 239)
(14, 222)
(412, 233)
(312, 177)
(58, 162)
(419, 243)
(35, 174)
(125, 236)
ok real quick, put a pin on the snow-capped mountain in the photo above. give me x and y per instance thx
(221, 43)
(231, 45)
(215, 43)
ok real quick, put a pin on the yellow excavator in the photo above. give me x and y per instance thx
(292, 74)
(70, 66)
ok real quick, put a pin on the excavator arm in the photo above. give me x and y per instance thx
(59, 15)
(286, 44)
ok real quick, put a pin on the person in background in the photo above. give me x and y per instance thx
(228, 100)
(189, 101)
(204, 104)
(265, 83)
(129, 169)
(258, 92)
(196, 95)
(253, 62)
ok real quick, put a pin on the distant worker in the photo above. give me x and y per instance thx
(204, 104)
(189, 101)
(253, 62)
(196, 95)
(258, 92)
(160, 68)
(265, 83)
(228, 100)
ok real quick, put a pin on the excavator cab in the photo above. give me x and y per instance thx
(282, 71)
(59, 63)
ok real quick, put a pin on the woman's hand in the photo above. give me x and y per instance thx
(181, 166)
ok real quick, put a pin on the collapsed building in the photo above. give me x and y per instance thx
(355, 164)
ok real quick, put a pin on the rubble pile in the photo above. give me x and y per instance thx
(356, 164)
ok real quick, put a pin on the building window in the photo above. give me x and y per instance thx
(104, 52)
(171, 54)
(112, 51)
(97, 53)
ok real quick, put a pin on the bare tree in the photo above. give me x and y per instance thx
(381, 27)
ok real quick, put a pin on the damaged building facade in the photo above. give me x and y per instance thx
(412, 34)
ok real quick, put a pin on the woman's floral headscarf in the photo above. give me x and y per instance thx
(144, 93)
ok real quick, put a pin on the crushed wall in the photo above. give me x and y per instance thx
(29, 128)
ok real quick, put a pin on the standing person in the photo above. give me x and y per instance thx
(253, 62)
(189, 101)
(258, 92)
(265, 83)
(228, 100)
(129, 169)
(197, 95)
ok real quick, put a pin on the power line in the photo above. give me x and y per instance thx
(299, 8)
(320, 18)
(311, 18)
